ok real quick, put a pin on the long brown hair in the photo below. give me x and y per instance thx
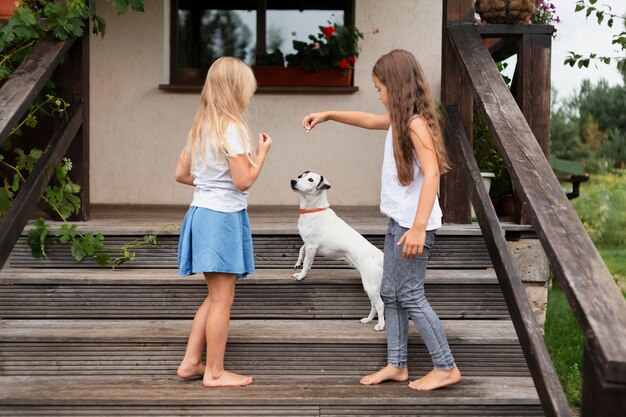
(408, 94)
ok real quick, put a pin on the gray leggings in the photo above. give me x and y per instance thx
(402, 292)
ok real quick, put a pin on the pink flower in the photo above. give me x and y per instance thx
(328, 31)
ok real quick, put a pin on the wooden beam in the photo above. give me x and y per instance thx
(501, 31)
(531, 339)
(454, 197)
(18, 93)
(30, 193)
(595, 298)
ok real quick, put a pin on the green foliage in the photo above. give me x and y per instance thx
(334, 46)
(565, 342)
(35, 18)
(603, 15)
(488, 158)
(601, 207)
(589, 126)
(37, 237)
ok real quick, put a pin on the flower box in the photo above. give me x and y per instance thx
(294, 76)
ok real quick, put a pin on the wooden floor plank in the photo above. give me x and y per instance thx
(262, 276)
(96, 390)
(113, 219)
(245, 331)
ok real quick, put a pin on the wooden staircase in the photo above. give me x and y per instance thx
(87, 341)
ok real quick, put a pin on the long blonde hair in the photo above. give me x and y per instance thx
(227, 91)
(408, 94)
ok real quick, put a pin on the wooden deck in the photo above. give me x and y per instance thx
(81, 340)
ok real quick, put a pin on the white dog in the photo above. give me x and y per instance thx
(325, 233)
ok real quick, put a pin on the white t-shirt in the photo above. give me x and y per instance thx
(398, 201)
(214, 184)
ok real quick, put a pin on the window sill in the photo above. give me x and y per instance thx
(267, 89)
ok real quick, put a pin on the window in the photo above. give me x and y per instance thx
(204, 30)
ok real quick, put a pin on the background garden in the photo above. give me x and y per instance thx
(589, 126)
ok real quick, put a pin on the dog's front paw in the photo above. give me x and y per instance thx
(299, 276)
(366, 320)
(379, 327)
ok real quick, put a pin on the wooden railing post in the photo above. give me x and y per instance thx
(600, 397)
(72, 83)
(531, 84)
(455, 91)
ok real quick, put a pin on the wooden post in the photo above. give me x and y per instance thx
(455, 91)
(600, 397)
(72, 83)
(532, 93)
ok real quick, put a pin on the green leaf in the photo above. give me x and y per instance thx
(92, 243)
(102, 259)
(37, 237)
(77, 251)
(579, 7)
(121, 6)
(66, 232)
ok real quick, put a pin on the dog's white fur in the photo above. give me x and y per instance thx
(325, 233)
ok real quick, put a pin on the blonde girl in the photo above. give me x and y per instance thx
(414, 158)
(215, 238)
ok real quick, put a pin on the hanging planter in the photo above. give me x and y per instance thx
(505, 11)
(6, 9)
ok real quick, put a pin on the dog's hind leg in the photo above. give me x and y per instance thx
(309, 255)
(378, 308)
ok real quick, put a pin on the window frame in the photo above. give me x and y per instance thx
(176, 84)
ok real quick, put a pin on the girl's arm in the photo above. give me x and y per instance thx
(182, 173)
(422, 140)
(244, 174)
(354, 118)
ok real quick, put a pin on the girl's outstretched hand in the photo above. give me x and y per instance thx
(413, 241)
(265, 143)
(312, 119)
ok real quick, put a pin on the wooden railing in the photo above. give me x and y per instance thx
(589, 287)
(16, 96)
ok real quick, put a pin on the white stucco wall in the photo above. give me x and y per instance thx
(138, 131)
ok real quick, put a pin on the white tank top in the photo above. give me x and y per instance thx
(397, 201)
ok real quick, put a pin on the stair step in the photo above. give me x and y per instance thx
(270, 293)
(320, 396)
(271, 251)
(256, 347)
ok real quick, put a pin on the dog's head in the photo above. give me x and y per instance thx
(309, 183)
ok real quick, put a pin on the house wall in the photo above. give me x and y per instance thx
(138, 131)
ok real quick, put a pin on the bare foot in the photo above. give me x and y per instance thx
(189, 371)
(226, 379)
(437, 379)
(388, 373)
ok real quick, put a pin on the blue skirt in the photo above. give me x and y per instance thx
(215, 241)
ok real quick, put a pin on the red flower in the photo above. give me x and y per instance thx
(344, 64)
(328, 31)
(351, 60)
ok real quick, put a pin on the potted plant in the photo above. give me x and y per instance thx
(327, 59)
(491, 165)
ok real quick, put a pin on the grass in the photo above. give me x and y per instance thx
(602, 209)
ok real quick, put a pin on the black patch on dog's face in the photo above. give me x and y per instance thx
(321, 185)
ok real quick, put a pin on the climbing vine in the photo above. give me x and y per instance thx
(32, 20)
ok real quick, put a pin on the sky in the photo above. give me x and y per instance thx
(584, 36)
